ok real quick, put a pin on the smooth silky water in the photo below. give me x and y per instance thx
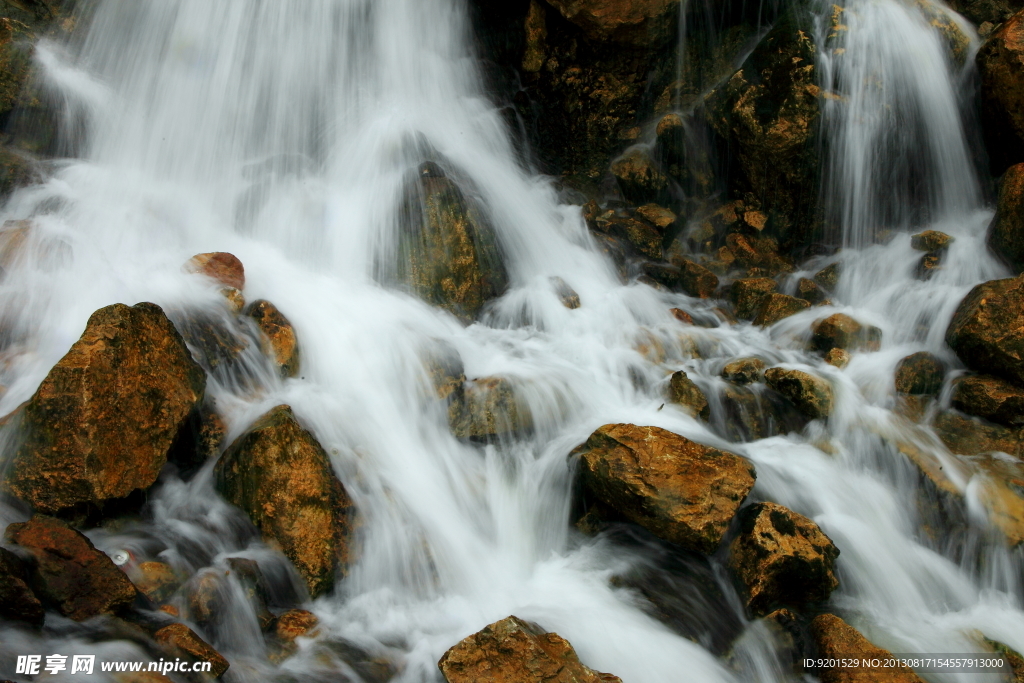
(282, 132)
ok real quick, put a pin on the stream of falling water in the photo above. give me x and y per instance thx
(282, 132)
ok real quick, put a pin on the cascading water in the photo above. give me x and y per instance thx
(283, 132)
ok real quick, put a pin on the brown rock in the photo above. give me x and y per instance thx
(156, 580)
(103, 420)
(809, 291)
(536, 38)
(1001, 68)
(777, 307)
(566, 294)
(781, 558)
(970, 436)
(17, 601)
(836, 640)
(250, 578)
(678, 490)
(920, 373)
(281, 477)
(78, 580)
(839, 358)
(639, 177)
(671, 133)
(658, 216)
(744, 370)
(515, 651)
(681, 315)
(1006, 235)
(930, 240)
(634, 22)
(749, 294)
(1013, 658)
(682, 391)
(811, 395)
(181, 641)
(694, 279)
(987, 331)
(280, 341)
(223, 267)
(640, 235)
(295, 623)
(490, 409)
(843, 332)
(828, 277)
(662, 274)
(990, 398)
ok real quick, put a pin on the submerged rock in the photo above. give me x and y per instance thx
(781, 558)
(991, 398)
(1001, 68)
(280, 341)
(966, 436)
(810, 291)
(749, 294)
(836, 639)
(838, 358)
(811, 395)
(515, 651)
(69, 573)
(679, 490)
(778, 307)
(843, 332)
(1006, 235)
(682, 391)
(281, 477)
(490, 409)
(930, 240)
(744, 370)
(920, 373)
(987, 331)
(221, 266)
(17, 601)
(102, 422)
(181, 641)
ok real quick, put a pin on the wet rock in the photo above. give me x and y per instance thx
(840, 331)
(678, 490)
(221, 266)
(490, 409)
(634, 22)
(828, 277)
(566, 294)
(17, 601)
(966, 436)
(1006, 235)
(280, 342)
(744, 370)
(1013, 658)
(810, 291)
(640, 235)
(639, 177)
(839, 358)
(281, 477)
(929, 264)
(991, 398)
(103, 420)
(180, 641)
(70, 574)
(664, 275)
(987, 331)
(811, 395)
(156, 580)
(515, 651)
(682, 391)
(694, 279)
(1001, 68)
(749, 294)
(930, 240)
(990, 12)
(249, 576)
(920, 373)
(681, 315)
(836, 639)
(200, 440)
(295, 623)
(658, 216)
(448, 252)
(758, 255)
(777, 307)
(781, 558)
(16, 170)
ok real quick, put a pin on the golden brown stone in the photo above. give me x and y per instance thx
(181, 641)
(744, 370)
(811, 395)
(638, 176)
(635, 22)
(836, 639)
(991, 398)
(987, 331)
(1001, 68)
(682, 391)
(281, 343)
(295, 623)
(839, 358)
(920, 373)
(694, 279)
(221, 266)
(930, 240)
(749, 294)
(778, 307)
(1006, 235)
(841, 331)
(156, 580)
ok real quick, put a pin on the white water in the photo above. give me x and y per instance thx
(281, 132)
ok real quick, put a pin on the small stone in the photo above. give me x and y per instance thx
(281, 343)
(755, 219)
(744, 371)
(839, 358)
(295, 623)
(681, 315)
(694, 279)
(930, 240)
(181, 641)
(221, 266)
(810, 291)
(235, 299)
(828, 277)
(749, 294)
(991, 398)
(920, 373)
(843, 332)
(658, 216)
(566, 294)
(778, 307)
(665, 275)
(835, 639)
(684, 392)
(781, 558)
(811, 395)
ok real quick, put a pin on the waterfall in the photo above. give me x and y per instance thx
(283, 132)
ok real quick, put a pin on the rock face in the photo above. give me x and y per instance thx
(836, 639)
(920, 373)
(70, 574)
(678, 490)
(811, 395)
(448, 252)
(777, 307)
(1001, 67)
(281, 343)
(636, 22)
(102, 422)
(683, 391)
(221, 266)
(840, 331)
(282, 478)
(182, 641)
(990, 398)
(781, 558)
(17, 601)
(515, 651)
(987, 331)
(1006, 236)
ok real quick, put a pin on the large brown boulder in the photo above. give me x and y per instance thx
(836, 640)
(281, 344)
(781, 558)
(810, 394)
(70, 574)
(103, 420)
(17, 601)
(1001, 67)
(448, 252)
(281, 477)
(987, 331)
(679, 490)
(991, 398)
(1006, 234)
(635, 22)
(516, 651)
(777, 307)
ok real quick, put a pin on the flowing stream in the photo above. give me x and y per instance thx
(282, 132)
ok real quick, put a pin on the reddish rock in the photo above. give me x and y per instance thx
(180, 641)
(679, 490)
(987, 331)
(920, 373)
(103, 420)
(221, 266)
(835, 639)
(281, 343)
(781, 558)
(156, 580)
(839, 358)
(681, 315)
(515, 651)
(17, 601)
(991, 398)
(69, 572)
